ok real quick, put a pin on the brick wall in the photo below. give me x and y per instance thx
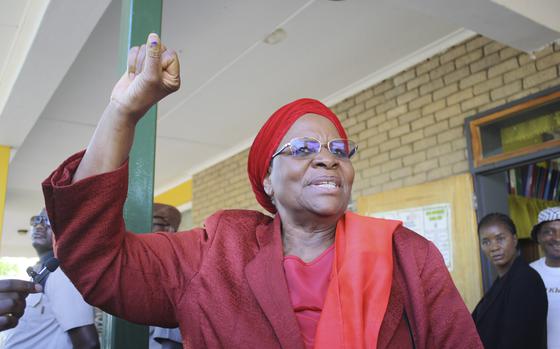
(410, 127)
(224, 185)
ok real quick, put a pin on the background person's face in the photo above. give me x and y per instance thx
(161, 224)
(41, 234)
(498, 244)
(318, 185)
(549, 239)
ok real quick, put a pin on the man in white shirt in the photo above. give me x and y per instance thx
(57, 318)
(547, 233)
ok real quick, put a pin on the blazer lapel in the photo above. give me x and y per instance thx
(266, 278)
(395, 310)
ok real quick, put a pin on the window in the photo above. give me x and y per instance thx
(520, 129)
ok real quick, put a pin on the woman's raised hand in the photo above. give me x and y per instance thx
(152, 74)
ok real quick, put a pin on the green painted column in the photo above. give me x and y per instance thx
(138, 19)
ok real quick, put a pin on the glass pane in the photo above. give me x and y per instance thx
(527, 128)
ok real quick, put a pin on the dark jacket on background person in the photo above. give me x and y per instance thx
(512, 314)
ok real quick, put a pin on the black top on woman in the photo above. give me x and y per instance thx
(512, 314)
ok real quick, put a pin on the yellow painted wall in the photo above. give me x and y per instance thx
(176, 196)
(4, 162)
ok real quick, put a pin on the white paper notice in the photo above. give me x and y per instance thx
(432, 222)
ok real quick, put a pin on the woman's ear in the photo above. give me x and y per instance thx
(267, 185)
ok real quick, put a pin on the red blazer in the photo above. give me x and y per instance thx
(224, 284)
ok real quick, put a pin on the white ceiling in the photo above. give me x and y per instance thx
(56, 76)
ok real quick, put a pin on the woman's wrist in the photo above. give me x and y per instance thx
(122, 116)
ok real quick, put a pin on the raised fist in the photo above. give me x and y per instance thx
(152, 74)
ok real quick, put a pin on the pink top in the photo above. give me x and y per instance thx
(308, 283)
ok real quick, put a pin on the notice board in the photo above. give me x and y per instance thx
(443, 212)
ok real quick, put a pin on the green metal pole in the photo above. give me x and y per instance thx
(138, 19)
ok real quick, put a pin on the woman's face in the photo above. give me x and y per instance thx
(319, 185)
(498, 244)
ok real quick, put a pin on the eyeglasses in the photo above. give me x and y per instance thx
(305, 146)
(36, 220)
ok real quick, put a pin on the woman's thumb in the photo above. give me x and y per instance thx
(152, 63)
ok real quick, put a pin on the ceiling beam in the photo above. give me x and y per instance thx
(544, 12)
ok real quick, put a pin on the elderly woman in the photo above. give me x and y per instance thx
(312, 276)
(512, 313)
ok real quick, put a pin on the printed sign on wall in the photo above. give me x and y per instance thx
(432, 222)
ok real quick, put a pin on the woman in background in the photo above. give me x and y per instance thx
(512, 314)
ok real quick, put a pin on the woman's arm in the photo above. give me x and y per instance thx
(152, 74)
(138, 277)
(125, 274)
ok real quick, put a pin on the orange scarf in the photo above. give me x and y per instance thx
(359, 289)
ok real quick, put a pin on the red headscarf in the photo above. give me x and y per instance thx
(268, 139)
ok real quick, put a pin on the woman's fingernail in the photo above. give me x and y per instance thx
(153, 45)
